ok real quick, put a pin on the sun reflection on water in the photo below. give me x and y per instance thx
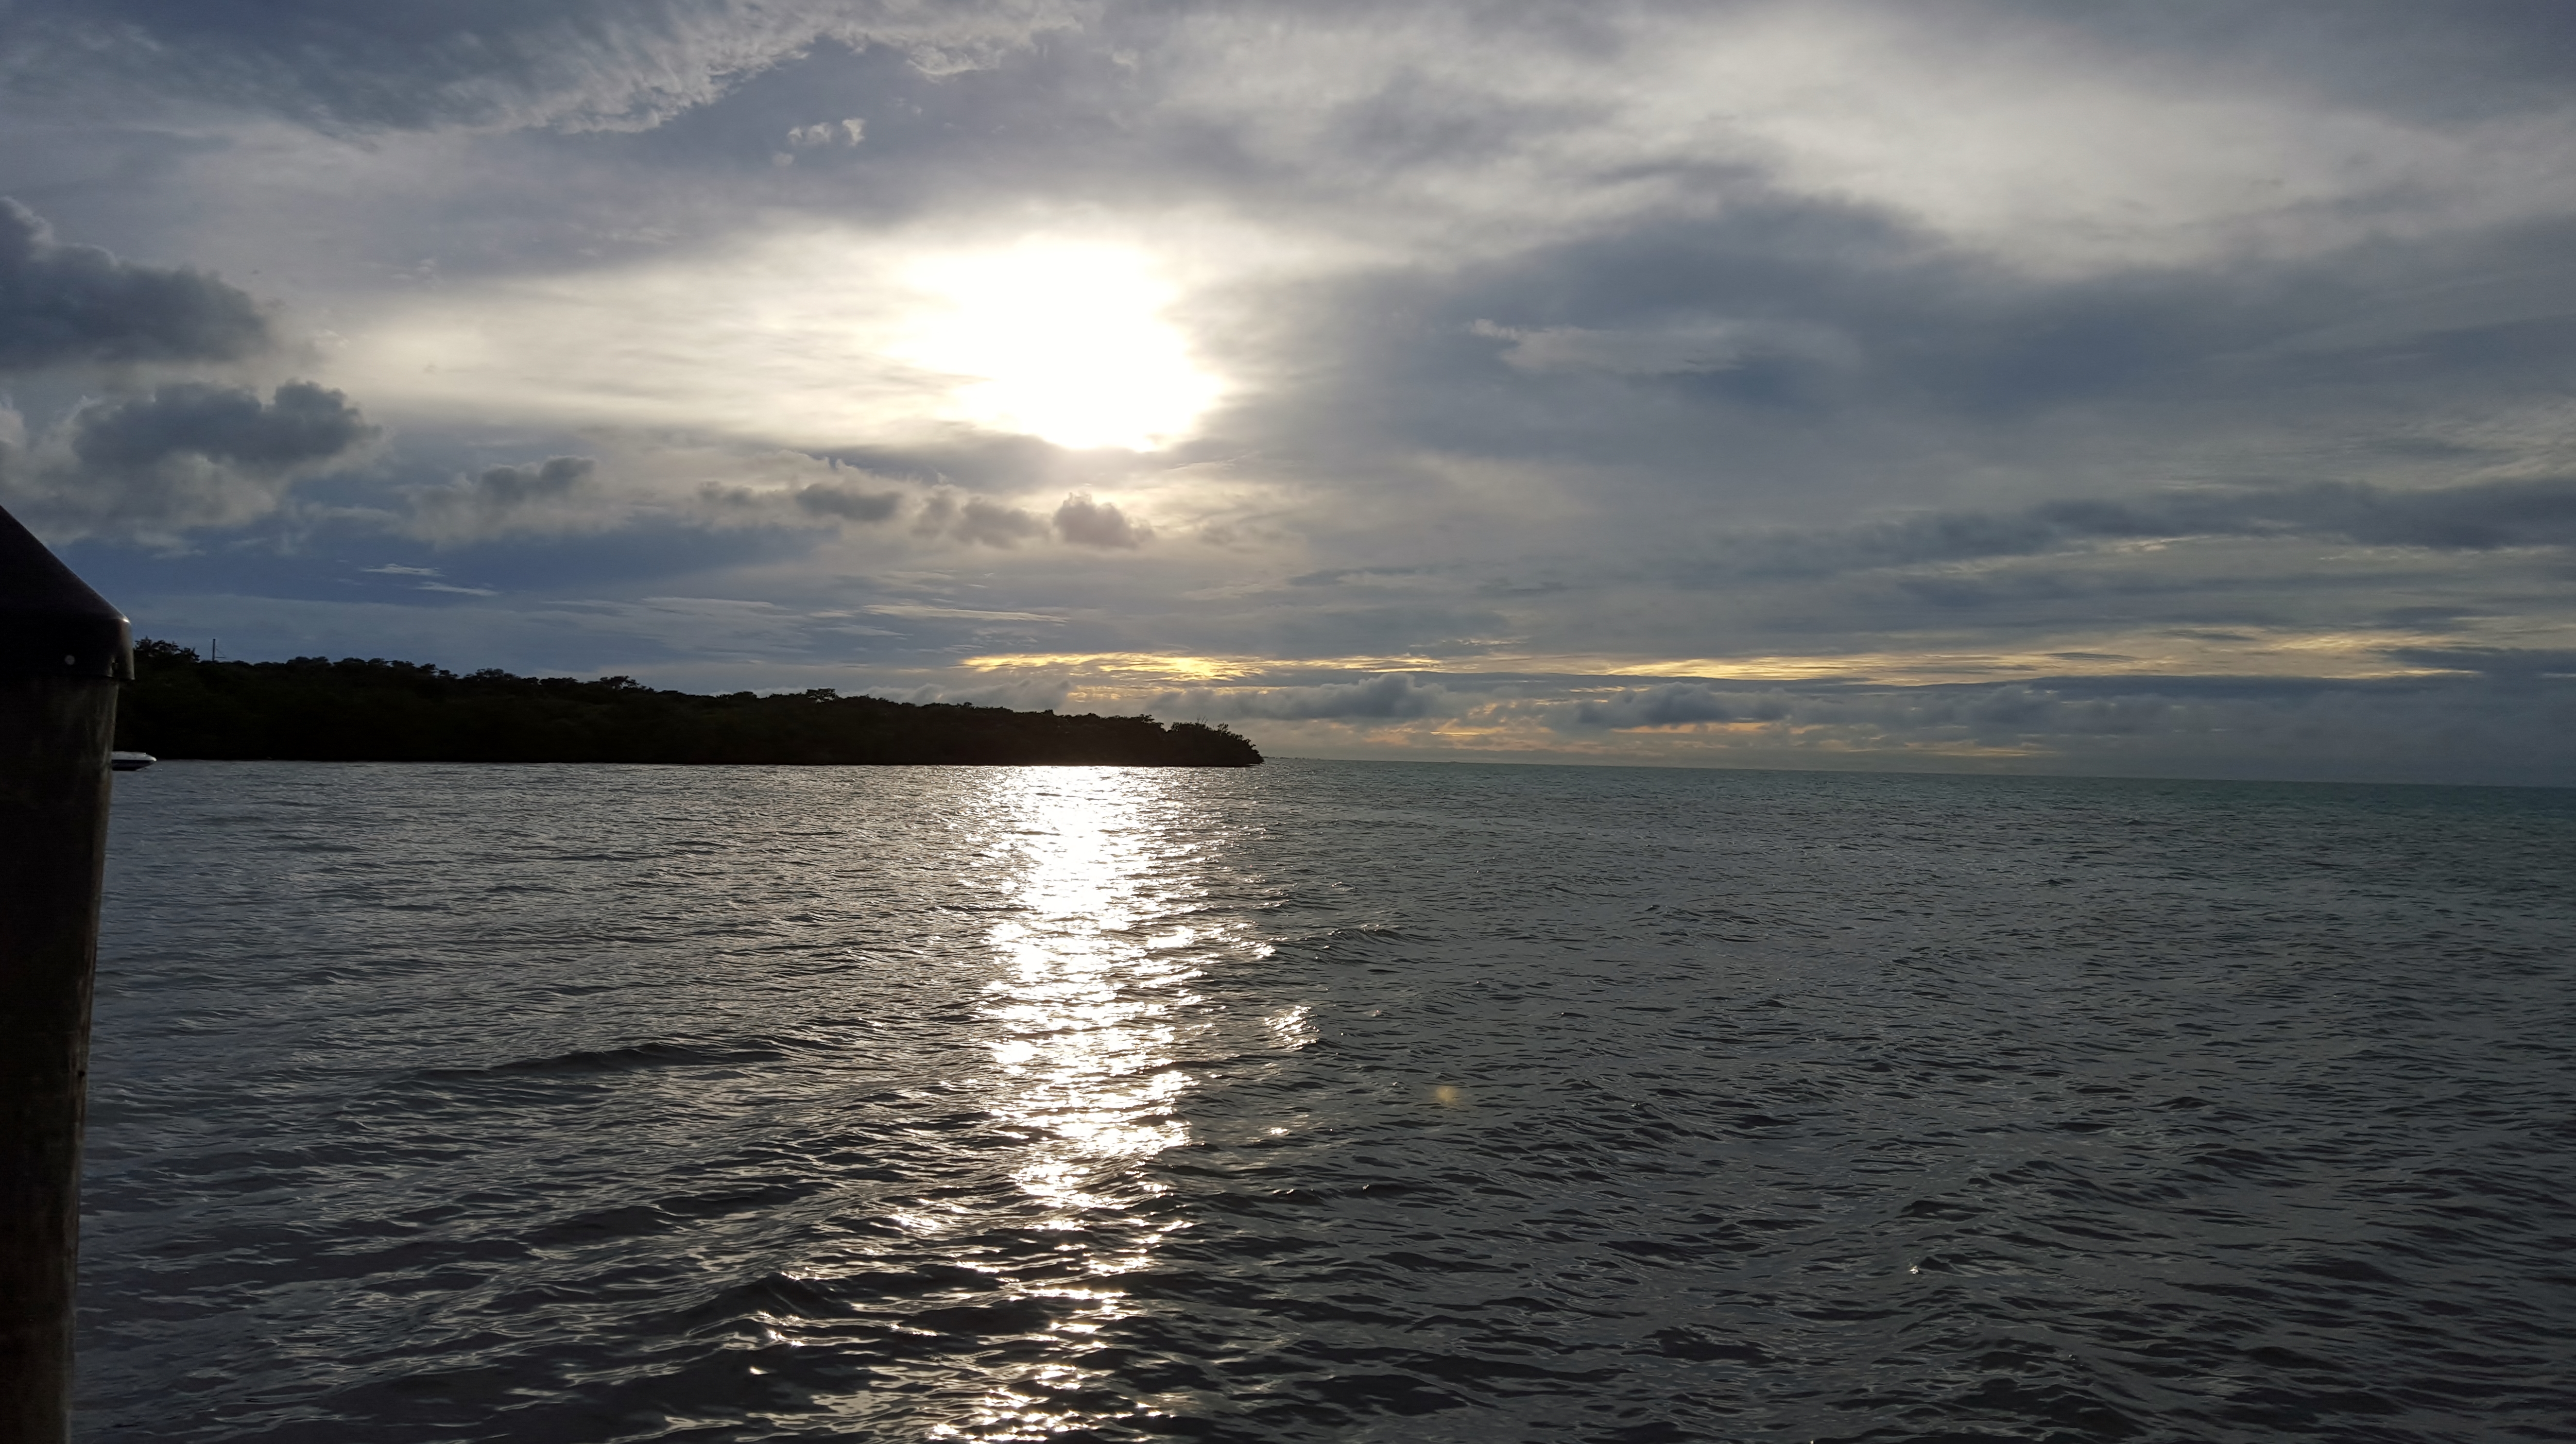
(1088, 1018)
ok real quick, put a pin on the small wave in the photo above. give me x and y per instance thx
(634, 1057)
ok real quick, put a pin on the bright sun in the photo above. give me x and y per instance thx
(1059, 341)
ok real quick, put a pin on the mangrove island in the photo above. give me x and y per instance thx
(317, 710)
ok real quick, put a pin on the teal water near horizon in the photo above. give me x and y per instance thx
(1327, 1100)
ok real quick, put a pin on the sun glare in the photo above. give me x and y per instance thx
(1063, 342)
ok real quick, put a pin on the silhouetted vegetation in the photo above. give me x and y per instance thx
(314, 709)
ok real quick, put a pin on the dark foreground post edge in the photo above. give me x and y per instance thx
(63, 650)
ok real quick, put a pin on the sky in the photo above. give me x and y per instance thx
(2167, 388)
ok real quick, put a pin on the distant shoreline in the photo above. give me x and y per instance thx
(312, 709)
(159, 761)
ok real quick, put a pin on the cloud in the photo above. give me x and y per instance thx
(1663, 353)
(923, 611)
(732, 486)
(848, 503)
(1088, 523)
(1676, 704)
(845, 132)
(2023, 132)
(708, 489)
(975, 520)
(536, 496)
(183, 456)
(2517, 725)
(2478, 516)
(2523, 662)
(1679, 347)
(1025, 694)
(576, 64)
(63, 305)
(2481, 516)
(837, 338)
(991, 523)
(2078, 721)
(1390, 695)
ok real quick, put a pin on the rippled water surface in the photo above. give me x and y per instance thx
(1327, 1101)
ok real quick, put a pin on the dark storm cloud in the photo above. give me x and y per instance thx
(614, 63)
(64, 304)
(1085, 522)
(184, 456)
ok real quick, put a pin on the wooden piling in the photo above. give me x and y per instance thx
(63, 650)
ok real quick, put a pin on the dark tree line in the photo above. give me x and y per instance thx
(315, 709)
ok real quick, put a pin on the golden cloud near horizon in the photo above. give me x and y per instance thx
(2277, 652)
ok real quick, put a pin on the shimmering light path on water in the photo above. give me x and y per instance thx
(1327, 1101)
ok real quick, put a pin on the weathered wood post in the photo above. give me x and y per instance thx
(63, 650)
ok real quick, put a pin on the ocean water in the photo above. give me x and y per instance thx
(1327, 1101)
